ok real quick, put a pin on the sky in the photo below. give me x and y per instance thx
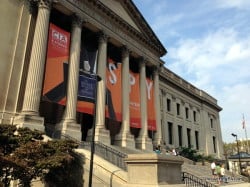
(208, 44)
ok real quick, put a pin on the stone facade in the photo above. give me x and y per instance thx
(23, 52)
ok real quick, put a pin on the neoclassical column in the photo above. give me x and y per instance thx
(158, 138)
(29, 116)
(164, 128)
(68, 124)
(124, 138)
(101, 133)
(143, 141)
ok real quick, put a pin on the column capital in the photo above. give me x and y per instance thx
(142, 62)
(125, 51)
(156, 70)
(164, 92)
(44, 3)
(102, 37)
(77, 20)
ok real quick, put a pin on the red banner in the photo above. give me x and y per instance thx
(54, 88)
(57, 66)
(113, 97)
(135, 110)
(150, 105)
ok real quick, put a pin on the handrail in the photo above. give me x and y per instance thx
(108, 153)
(191, 180)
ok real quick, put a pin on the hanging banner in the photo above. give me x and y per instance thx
(87, 80)
(56, 72)
(86, 92)
(113, 91)
(150, 105)
(134, 107)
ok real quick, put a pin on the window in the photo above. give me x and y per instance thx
(194, 115)
(180, 135)
(214, 144)
(178, 109)
(168, 105)
(211, 123)
(186, 112)
(161, 102)
(197, 139)
(170, 133)
(189, 137)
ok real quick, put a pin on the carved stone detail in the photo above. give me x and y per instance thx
(142, 62)
(77, 21)
(102, 37)
(45, 4)
(125, 51)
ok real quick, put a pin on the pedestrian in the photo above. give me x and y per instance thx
(222, 174)
(158, 149)
(217, 170)
(174, 152)
(213, 166)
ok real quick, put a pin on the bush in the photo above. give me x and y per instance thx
(193, 155)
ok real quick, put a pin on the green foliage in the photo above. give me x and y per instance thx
(24, 156)
(193, 154)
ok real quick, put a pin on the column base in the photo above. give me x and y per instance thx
(101, 135)
(32, 122)
(144, 143)
(125, 140)
(157, 141)
(68, 128)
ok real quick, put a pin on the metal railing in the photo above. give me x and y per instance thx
(108, 153)
(193, 181)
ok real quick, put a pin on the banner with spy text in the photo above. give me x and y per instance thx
(135, 110)
(56, 71)
(150, 105)
(113, 91)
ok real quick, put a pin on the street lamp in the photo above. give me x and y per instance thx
(235, 135)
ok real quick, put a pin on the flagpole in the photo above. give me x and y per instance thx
(244, 126)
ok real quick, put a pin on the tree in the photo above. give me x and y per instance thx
(26, 157)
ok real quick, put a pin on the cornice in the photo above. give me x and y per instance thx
(169, 77)
(156, 45)
(100, 16)
(148, 39)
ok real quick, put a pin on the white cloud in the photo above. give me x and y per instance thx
(235, 101)
(239, 4)
(218, 63)
(208, 45)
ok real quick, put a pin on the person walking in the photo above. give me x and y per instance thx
(217, 170)
(222, 174)
(213, 166)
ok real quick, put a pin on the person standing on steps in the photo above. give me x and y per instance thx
(213, 166)
(222, 174)
(217, 170)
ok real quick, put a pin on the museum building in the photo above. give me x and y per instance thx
(70, 65)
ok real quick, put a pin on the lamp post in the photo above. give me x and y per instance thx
(235, 135)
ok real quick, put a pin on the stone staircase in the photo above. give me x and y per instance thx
(204, 172)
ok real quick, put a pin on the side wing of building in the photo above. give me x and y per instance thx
(189, 116)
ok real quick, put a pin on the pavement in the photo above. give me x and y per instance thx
(235, 185)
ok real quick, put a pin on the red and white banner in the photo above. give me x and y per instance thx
(135, 109)
(55, 80)
(113, 91)
(151, 105)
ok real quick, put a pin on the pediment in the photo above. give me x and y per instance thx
(118, 8)
(128, 12)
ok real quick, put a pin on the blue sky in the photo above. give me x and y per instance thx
(208, 44)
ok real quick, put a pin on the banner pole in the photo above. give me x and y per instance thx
(93, 135)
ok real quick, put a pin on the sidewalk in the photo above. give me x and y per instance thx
(236, 185)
